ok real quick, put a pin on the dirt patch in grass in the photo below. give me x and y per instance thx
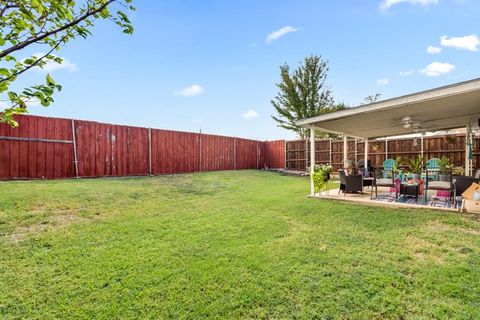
(437, 226)
(425, 250)
(297, 231)
(21, 233)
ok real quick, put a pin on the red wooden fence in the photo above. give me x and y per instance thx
(45, 148)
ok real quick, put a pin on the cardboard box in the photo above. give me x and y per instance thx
(471, 206)
(468, 194)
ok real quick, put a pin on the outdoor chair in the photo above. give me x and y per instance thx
(460, 185)
(432, 168)
(367, 176)
(388, 166)
(350, 184)
(437, 185)
(384, 182)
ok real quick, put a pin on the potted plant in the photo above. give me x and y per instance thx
(445, 168)
(416, 167)
(458, 171)
(327, 170)
(397, 171)
(450, 138)
(321, 174)
(319, 179)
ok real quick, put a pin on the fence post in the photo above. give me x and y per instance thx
(421, 146)
(306, 155)
(150, 151)
(330, 151)
(75, 158)
(257, 154)
(356, 151)
(234, 153)
(386, 148)
(200, 150)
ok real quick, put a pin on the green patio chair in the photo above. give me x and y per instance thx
(433, 168)
(388, 166)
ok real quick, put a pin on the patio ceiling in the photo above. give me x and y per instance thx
(443, 108)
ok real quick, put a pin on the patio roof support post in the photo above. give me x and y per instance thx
(345, 152)
(312, 159)
(365, 162)
(467, 151)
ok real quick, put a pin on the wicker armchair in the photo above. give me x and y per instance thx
(350, 184)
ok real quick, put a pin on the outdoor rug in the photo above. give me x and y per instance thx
(435, 201)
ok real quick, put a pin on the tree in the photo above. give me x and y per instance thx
(47, 25)
(303, 94)
(372, 98)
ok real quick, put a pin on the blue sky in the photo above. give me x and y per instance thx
(211, 65)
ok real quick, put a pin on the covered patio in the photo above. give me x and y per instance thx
(445, 108)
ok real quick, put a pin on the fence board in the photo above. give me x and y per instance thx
(275, 154)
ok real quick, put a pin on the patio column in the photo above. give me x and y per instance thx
(467, 151)
(365, 164)
(345, 151)
(312, 159)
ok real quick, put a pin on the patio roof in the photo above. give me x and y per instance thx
(443, 108)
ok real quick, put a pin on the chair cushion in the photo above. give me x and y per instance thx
(476, 196)
(439, 185)
(383, 181)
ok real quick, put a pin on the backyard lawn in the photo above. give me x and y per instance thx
(244, 244)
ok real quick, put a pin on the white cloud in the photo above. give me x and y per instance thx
(250, 114)
(434, 50)
(30, 102)
(383, 82)
(387, 4)
(192, 90)
(470, 43)
(280, 33)
(406, 73)
(52, 66)
(435, 69)
(239, 68)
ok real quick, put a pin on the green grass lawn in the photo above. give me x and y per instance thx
(243, 244)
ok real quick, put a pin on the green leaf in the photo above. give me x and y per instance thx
(50, 80)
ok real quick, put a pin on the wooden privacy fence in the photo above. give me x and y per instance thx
(50, 148)
(331, 151)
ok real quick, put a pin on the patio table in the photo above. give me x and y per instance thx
(410, 189)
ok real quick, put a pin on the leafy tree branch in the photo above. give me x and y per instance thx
(50, 23)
